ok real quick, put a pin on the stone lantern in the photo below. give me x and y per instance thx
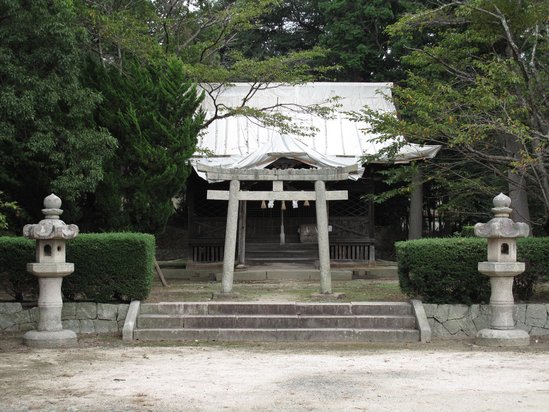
(50, 268)
(502, 267)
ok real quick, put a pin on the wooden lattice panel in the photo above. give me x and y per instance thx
(354, 206)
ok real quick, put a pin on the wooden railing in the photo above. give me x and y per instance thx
(358, 251)
(207, 251)
(355, 250)
(349, 239)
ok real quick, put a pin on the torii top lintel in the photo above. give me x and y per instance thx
(324, 174)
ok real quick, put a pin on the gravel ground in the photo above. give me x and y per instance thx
(103, 374)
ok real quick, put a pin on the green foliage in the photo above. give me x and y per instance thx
(200, 33)
(6, 207)
(286, 27)
(354, 32)
(108, 267)
(533, 251)
(119, 30)
(152, 110)
(15, 253)
(293, 68)
(48, 139)
(468, 231)
(445, 270)
(206, 34)
(478, 87)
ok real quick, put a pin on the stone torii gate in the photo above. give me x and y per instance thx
(277, 176)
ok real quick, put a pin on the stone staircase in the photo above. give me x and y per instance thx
(274, 252)
(269, 322)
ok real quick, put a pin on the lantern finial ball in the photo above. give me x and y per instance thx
(52, 202)
(502, 200)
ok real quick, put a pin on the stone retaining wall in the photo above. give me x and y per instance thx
(449, 321)
(446, 321)
(81, 317)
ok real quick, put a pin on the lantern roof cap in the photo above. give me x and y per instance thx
(51, 227)
(501, 226)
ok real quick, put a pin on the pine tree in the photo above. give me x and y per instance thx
(152, 110)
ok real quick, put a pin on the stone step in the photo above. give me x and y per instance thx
(284, 321)
(302, 252)
(273, 322)
(285, 308)
(281, 335)
(274, 251)
(280, 274)
(255, 246)
(258, 273)
(279, 258)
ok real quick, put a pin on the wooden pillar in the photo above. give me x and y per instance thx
(371, 232)
(242, 233)
(282, 233)
(190, 200)
(323, 237)
(415, 219)
(230, 237)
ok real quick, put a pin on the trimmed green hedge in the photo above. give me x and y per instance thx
(108, 267)
(467, 231)
(15, 253)
(445, 270)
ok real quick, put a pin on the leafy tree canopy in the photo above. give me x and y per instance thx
(152, 111)
(289, 26)
(480, 88)
(49, 142)
(354, 32)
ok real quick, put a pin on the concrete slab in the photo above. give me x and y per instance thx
(131, 318)
(323, 308)
(382, 272)
(386, 308)
(274, 322)
(252, 308)
(281, 335)
(245, 276)
(188, 274)
(303, 275)
(270, 271)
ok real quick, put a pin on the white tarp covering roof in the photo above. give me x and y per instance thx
(239, 142)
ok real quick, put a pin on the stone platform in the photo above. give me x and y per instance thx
(280, 271)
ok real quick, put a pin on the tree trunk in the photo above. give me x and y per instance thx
(415, 221)
(519, 198)
(242, 233)
(517, 184)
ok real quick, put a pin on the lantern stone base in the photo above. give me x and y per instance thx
(50, 340)
(497, 337)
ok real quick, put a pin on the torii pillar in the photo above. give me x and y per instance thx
(323, 237)
(230, 237)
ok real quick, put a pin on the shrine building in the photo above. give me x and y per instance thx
(261, 193)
